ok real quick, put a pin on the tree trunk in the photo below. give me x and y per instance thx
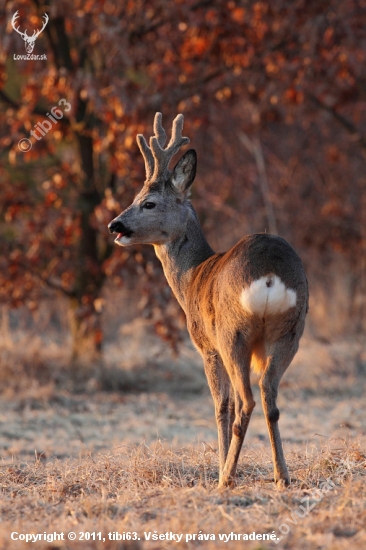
(86, 304)
(86, 331)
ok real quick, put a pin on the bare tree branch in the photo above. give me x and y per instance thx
(36, 111)
(347, 124)
(254, 147)
(51, 282)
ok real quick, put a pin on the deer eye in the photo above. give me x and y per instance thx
(149, 205)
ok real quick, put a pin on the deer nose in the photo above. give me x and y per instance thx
(116, 227)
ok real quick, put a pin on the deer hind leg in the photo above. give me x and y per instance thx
(244, 405)
(219, 384)
(231, 412)
(283, 353)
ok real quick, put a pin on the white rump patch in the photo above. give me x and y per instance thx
(267, 296)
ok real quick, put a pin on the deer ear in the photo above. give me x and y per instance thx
(185, 172)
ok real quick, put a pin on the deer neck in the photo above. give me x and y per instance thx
(182, 256)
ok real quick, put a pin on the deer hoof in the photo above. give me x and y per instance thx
(282, 483)
(227, 483)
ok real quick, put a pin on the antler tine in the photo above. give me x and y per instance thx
(46, 18)
(162, 156)
(15, 17)
(145, 149)
(159, 130)
(147, 154)
(177, 140)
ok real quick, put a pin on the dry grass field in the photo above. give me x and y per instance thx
(130, 447)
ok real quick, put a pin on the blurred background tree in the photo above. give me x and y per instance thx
(274, 98)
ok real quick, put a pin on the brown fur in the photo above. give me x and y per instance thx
(259, 359)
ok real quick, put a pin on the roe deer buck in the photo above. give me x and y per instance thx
(245, 308)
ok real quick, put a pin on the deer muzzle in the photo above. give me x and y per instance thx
(116, 226)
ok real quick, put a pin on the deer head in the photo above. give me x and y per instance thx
(160, 211)
(29, 40)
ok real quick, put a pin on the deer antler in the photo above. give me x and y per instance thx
(15, 17)
(24, 34)
(156, 157)
(46, 18)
